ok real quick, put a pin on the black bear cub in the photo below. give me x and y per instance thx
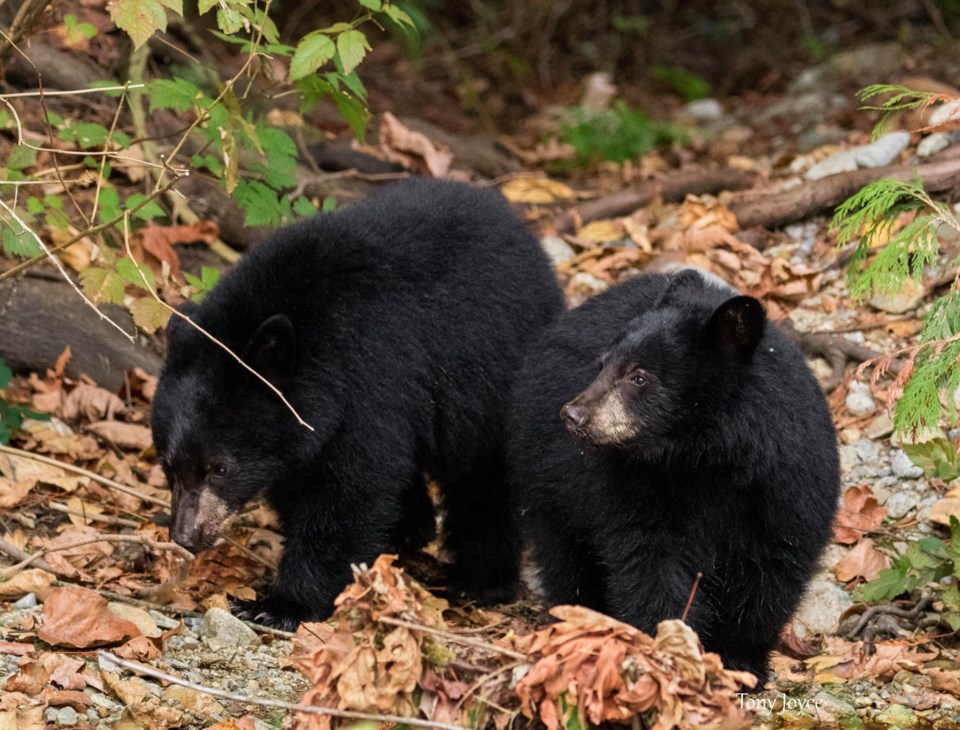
(395, 328)
(665, 429)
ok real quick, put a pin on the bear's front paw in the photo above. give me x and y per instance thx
(268, 612)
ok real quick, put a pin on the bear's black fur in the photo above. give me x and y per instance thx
(693, 438)
(395, 328)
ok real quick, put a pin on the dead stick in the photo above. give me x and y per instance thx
(466, 641)
(771, 210)
(693, 592)
(17, 554)
(673, 186)
(268, 702)
(85, 472)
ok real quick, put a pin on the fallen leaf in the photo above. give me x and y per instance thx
(124, 435)
(945, 508)
(536, 189)
(158, 241)
(15, 648)
(79, 618)
(860, 513)
(844, 660)
(13, 493)
(411, 149)
(863, 561)
(31, 580)
(92, 403)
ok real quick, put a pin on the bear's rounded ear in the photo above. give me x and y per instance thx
(737, 326)
(681, 285)
(177, 326)
(272, 348)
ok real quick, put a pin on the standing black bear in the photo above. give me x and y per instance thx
(395, 328)
(665, 429)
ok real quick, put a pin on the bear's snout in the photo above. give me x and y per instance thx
(574, 416)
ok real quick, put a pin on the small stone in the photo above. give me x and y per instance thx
(137, 616)
(903, 467)
(897, 716)
(221, 630)
(948, 112)
(163, 621)
(859, 400)
(705, 110)
(932, 144)
(884, 151)
(845, 161)
(880, 427)
(28, 601)
(558, 250)
(901, 503)
(101, 700)
(909, 297)
(849, 458)
(67, 716)
(851, 435)
(819, 613)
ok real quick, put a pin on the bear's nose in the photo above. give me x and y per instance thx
(574, 416)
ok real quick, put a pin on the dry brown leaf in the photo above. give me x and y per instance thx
(158, 241)
(945, 508)
(536, 189)
(72, 562)
(130, 691)
(67, 674)
(13, 493)
(124, 435)
(412, 149)
(30, 678)
(844, 660)
(91, 403)
(79, 618)
(863, 561)
(15, 648)
(859, 514)
(31, 580)
(602, 231)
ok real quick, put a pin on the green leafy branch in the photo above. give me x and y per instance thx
(900, 99)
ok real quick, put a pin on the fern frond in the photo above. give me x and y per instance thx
(901, 99)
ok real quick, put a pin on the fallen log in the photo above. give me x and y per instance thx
(42, 314)
(771, 210)
(673, 186)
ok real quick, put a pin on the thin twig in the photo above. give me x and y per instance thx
(106, 519)
(181, 552)
(456, 638)
(87, 473)
(693, 592)
(17, 554)
(268, 702)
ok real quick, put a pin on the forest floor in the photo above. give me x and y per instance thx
(86, 565)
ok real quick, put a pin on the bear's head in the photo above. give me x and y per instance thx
(220, 432)
(671, 374)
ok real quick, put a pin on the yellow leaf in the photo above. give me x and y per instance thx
(602, 231)
(149, 314)
(533, 189)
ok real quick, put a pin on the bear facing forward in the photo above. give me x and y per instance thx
(665, 429)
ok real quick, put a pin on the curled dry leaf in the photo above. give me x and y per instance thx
(943, 509)
(610, 672)
(79, 618)
(536, 189)
(124, 435)
(843, 660)
(31, 580)
(412, 149)
(860, 513)
(158, 241)
(91, 403)
(863, 561)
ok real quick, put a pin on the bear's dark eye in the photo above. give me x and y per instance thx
(218, 470)
(639, 379)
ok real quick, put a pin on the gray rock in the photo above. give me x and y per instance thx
(558, 250)
(884, 151)
(163, 621)
(705, 110)
(903, 467)
(67, 716)
(948, 112)
(933, 143)
(859, 400)
(821, 608)
(28, 601)
(101, 700)
(849, 458)
(221, 630)
(845, 161)
(901, 503)
(868, 451)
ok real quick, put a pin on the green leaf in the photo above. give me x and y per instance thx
(174, 5)
(303, 207)
(229, 20)
(336, 28)
(109, 205)
(937, 457)
(208, 279)
(173, 94)
(21, 157)
(205, 6)
(131, 271)
(371, 4)
(17, 241)
(399, 17)
(329, 204)
(149, 314)
(6, 374)
(139, 18)
(149, 211)
(102, 285)
(353, 112)
(352, 46)
(260, 204)
(890, 583)
(312, 52)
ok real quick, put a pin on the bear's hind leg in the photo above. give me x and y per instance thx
(480, 534)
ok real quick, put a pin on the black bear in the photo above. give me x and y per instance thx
(665, 429)
(395, 328)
